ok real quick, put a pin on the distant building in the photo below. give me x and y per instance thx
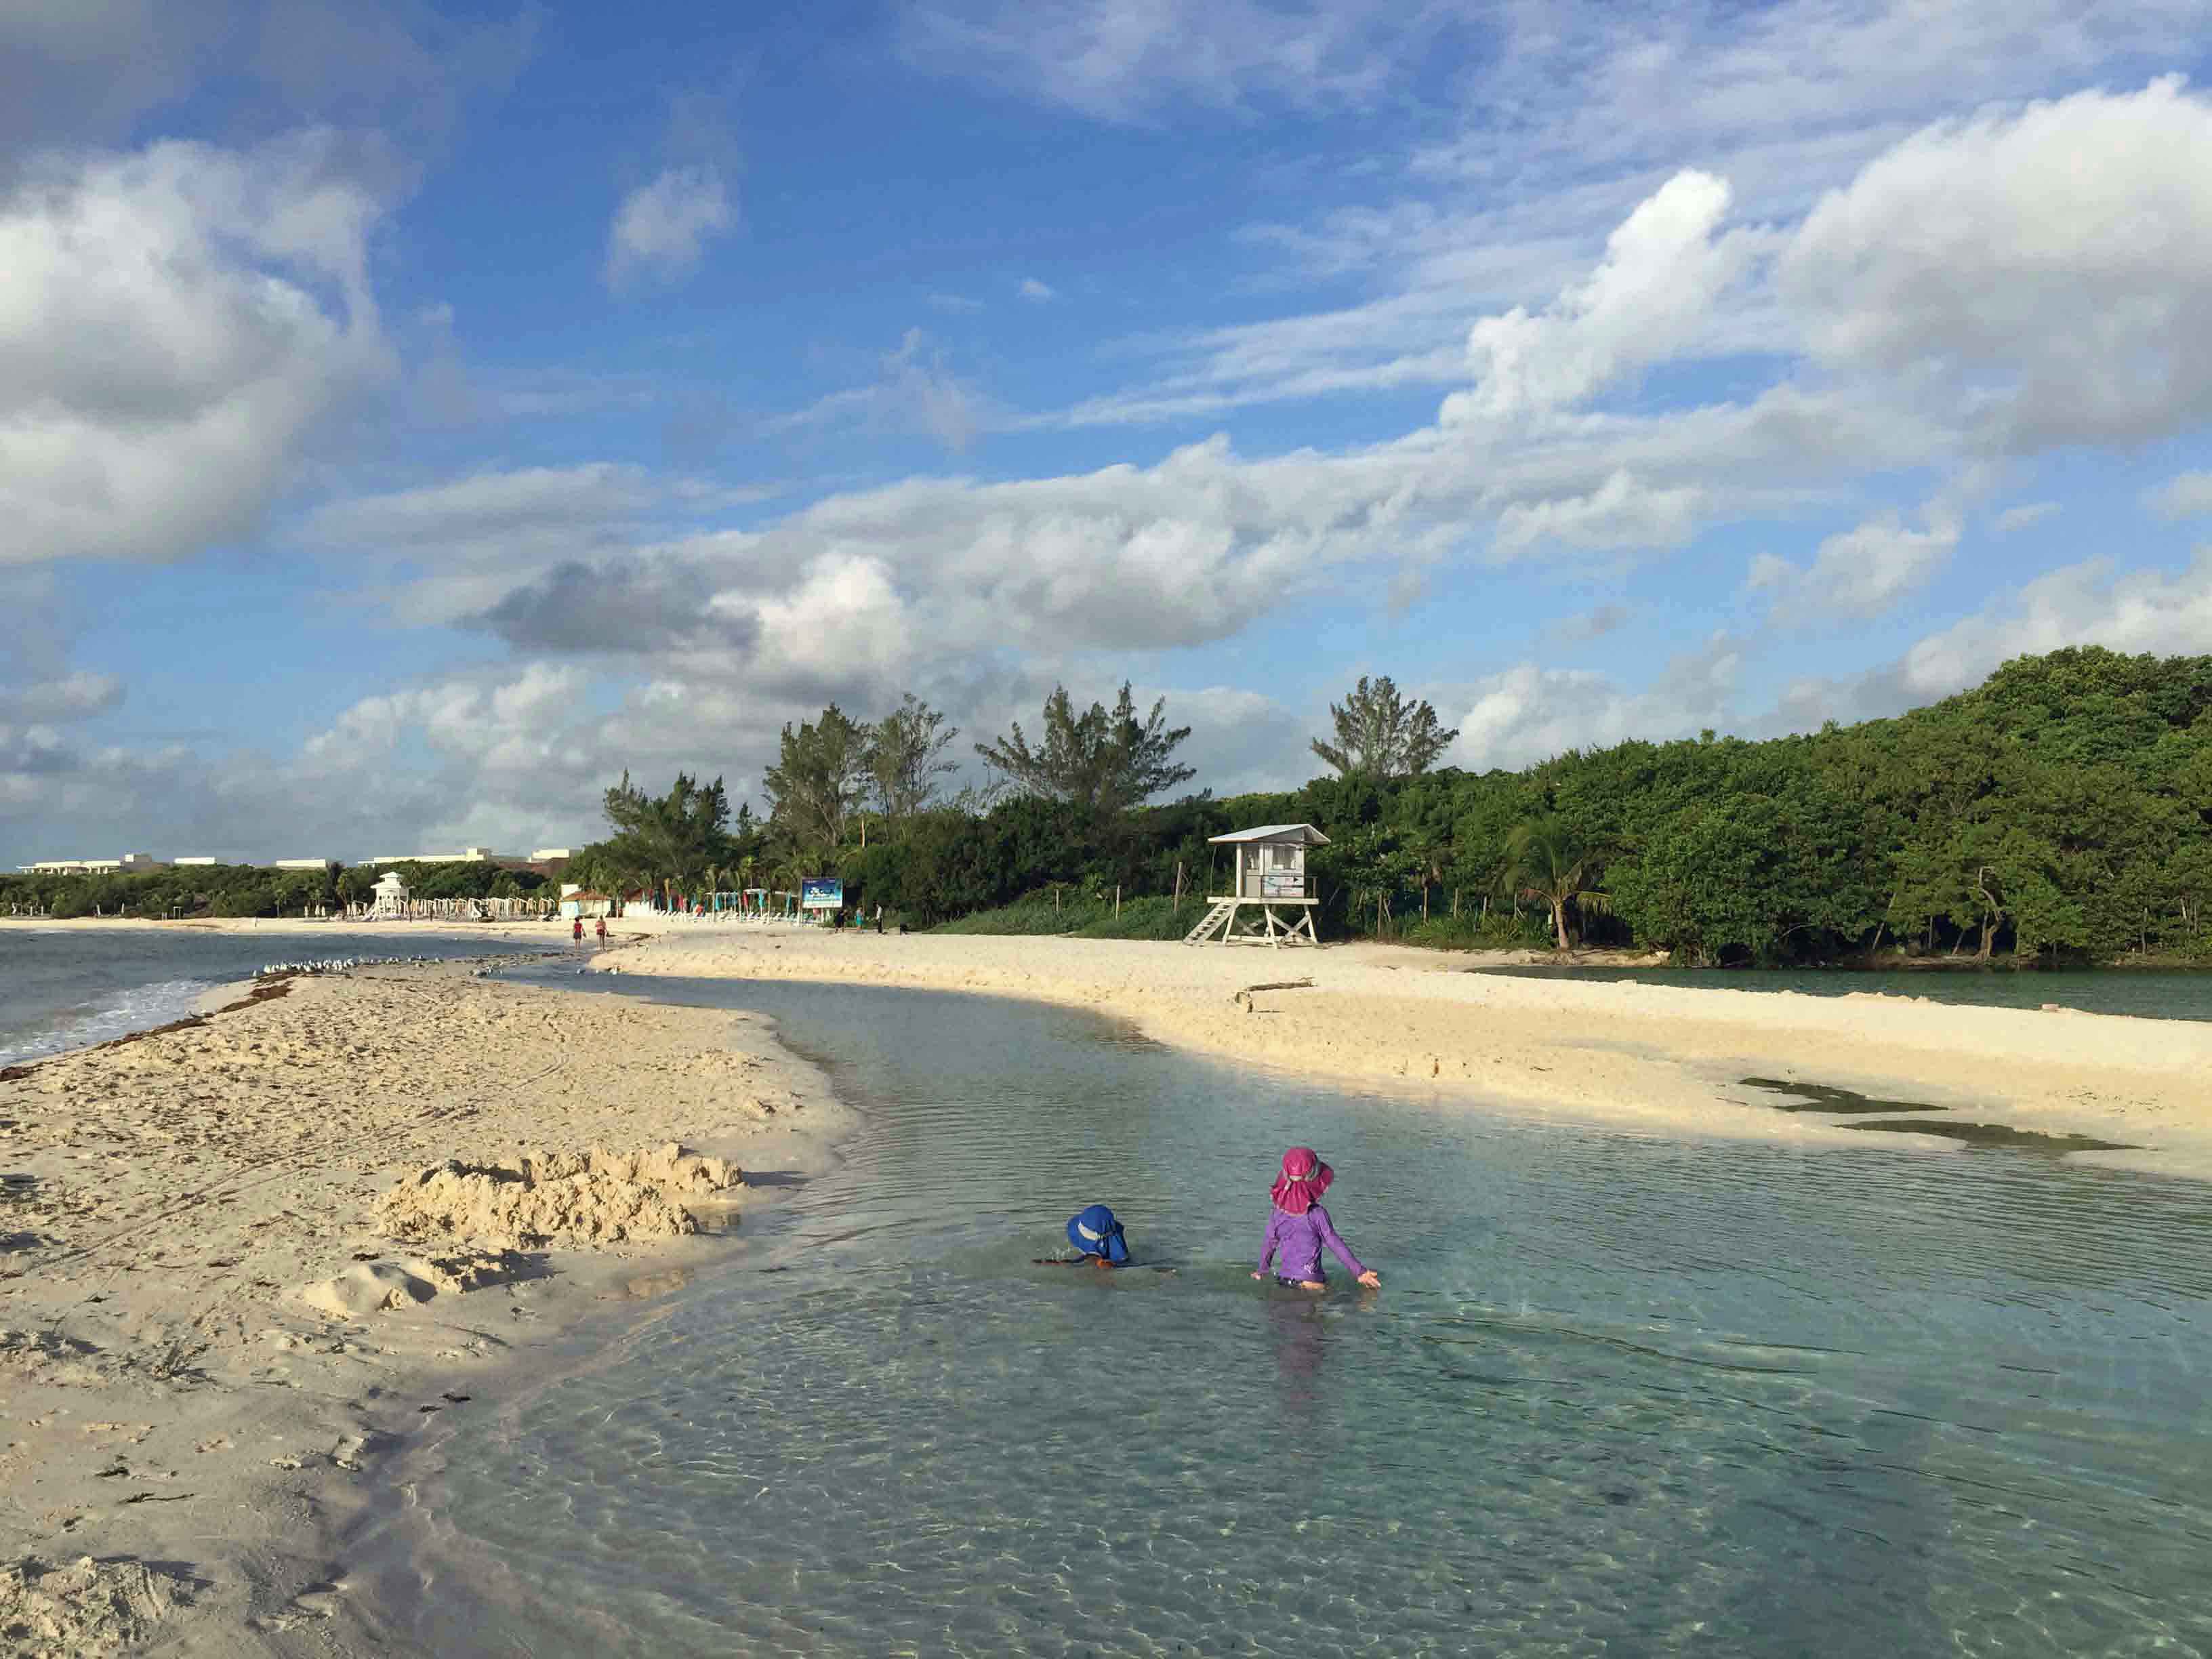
(552, 856)
(466, 855)
(196, 862)
(127, 861)
(391, 895)
(307, 863)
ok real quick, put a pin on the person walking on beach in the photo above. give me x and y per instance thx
(600, 927)
(1300, 1226)
(577, 933)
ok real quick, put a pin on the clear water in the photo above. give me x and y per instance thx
(1616, 1394)
(64, 987)
(2149, 992)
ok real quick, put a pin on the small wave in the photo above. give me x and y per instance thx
(138, 1009)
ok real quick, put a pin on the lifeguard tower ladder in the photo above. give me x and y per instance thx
(1270, 900)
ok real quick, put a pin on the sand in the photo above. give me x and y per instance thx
(214, 1327)
(1652, 1058)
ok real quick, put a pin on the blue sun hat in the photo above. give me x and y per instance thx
(1095, 1232)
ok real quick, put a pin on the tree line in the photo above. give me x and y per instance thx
(2061, 811)
(251, 889)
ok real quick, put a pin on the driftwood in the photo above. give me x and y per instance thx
(1244, 996)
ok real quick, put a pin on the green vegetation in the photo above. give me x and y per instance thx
(246, 890)
(2060, 811)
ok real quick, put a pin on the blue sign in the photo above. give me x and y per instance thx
(821, 893)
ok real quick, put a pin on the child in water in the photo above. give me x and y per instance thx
(1096, 1233)
(1300, 1226)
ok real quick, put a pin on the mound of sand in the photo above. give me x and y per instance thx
(85, 1608)
(370, 1287)
(536, 1199)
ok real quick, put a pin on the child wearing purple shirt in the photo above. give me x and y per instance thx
(1300, 1226)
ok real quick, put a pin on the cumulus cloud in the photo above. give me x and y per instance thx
(2189, 495)
(1527, 713)
(1664, 268)
(2040, 272)
(1858, 572)
(661, 229)
(175, 326)
(1622, 512)
(1036, 293)
(627, 605)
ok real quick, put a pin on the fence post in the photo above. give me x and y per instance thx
(1117, 900)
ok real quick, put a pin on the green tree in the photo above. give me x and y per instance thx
(1383, 735)
(819, 781)
(1108, 762)
(906, 757)
(671, 837)
(1543, 864)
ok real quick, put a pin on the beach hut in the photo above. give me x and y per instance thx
(1270, 900)
(390, 898)
(585, 903)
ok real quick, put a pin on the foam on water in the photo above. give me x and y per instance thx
(138, 1009)
(1617, 1394)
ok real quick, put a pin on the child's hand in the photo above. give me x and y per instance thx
(1255, 1275)
(1371, 1279)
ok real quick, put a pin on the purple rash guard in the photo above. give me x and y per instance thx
(1299, 1237)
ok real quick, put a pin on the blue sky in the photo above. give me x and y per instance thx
(412, 416)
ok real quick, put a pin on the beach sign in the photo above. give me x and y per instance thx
(821, 893)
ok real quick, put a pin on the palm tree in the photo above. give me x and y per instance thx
(1543, 863)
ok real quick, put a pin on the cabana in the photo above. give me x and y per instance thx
(1269, 901)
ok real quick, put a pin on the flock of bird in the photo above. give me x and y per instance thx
(336, 964)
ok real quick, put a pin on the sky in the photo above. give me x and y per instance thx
(413, 415)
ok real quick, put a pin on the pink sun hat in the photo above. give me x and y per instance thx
(1303, 1180)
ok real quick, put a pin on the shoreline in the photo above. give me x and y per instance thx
(171, 1408)
(1664, 1059)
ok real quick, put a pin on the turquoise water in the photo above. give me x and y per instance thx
(2153, 994)
(1616, 1394)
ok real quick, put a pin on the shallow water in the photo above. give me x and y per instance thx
(2149, 992)
(1636, 1395)
(64, 987)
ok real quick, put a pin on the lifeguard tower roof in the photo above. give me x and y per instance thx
(1301, 834)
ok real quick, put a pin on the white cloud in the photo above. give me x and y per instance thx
(1858, 572)
(73, 696)
(2189, 495)
(1621, 512)
(2039, 272)
(2013, 519)
(1036, 293)
(1123, 60)
(915, 390)
(174, 326)
(1527, 713)
(1663, 270)
(661, 229)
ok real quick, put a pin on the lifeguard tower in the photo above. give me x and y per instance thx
(390, 898)
(1270, 900)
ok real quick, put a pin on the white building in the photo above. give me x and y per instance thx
(120, 865)
(196, 862)
(307, 863)
(552, 854)
(466, 855)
